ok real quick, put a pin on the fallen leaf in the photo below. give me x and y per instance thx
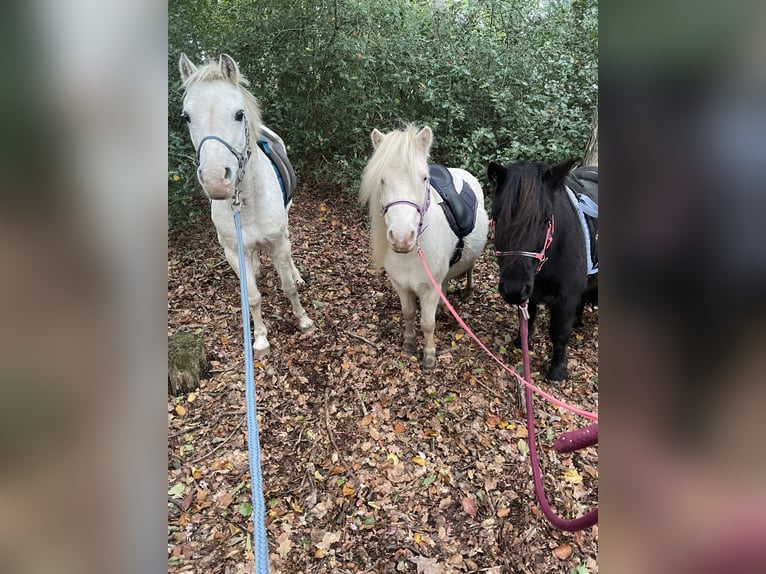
(572, 476)
(469, 506)
(492, 421)
(328, 540)
(399, 428)
(563, 551)
(418, 460)
(180, 410)
(284, 542)
(374, 434)
(225, 500)
(427, 565)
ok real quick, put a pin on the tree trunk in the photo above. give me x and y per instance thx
(590, 157)
(186, 363)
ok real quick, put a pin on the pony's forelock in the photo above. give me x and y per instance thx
(397, 148)
(211, 72)
(521, 207)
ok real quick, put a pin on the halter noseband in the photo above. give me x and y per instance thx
(242, 157)
(420, 208)
(540, 256)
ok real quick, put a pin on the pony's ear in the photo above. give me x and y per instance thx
(555, 175)
(425, 138)
(186, 67)
(376, 136)
(229, 68)
(496, 174)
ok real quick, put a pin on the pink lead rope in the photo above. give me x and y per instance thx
(529, 385)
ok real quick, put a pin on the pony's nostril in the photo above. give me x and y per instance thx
(227, 175)
(526, 292)
(412, 237)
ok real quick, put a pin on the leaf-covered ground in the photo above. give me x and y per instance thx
(370, 465)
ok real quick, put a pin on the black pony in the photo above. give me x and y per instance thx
(533, 208)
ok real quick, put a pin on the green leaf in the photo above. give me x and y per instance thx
(428, 481)
(245, 509)
(523, 447)
(177, 490)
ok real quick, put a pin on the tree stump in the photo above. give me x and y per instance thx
(186, 363)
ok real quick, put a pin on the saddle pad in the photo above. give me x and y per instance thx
(272, 145)
(459, 208)
(582, 187)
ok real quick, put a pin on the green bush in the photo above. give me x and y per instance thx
(498, 80)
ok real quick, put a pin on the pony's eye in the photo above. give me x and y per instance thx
(185, 116)
(240, 115)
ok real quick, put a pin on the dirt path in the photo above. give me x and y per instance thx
(369, 464)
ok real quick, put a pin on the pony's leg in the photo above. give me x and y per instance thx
(293, 269)
(562, 318)
(296, 274)
(409, 308)
(578, 314)
(428, 303)
(468, 282)
(283, 262)
(260, 341)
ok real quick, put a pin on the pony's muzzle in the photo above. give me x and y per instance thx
(401, 242)
(515, 294)
(216, 182)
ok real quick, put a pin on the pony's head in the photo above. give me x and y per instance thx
(223, 119)
(522, 209)
(395, 183)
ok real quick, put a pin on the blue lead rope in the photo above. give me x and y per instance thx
(261, 543)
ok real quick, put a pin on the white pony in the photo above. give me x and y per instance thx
(405, 213)
(224, 123)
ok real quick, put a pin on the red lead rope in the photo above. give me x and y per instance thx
(575, 524)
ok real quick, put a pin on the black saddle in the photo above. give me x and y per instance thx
(276, 152)
(459, 208)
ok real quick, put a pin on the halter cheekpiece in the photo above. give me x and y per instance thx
(540, 256)
(420, 208)
(242, 157)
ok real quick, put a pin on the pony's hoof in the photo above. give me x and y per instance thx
(299, 282)
(260, 353)
(305, 324)
(429, 362)
(409, 347)
(558, 375)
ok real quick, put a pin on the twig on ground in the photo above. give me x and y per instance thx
(361, 400)
(364, 339)
(196, 460)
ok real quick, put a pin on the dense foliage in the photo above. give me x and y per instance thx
(497, 79)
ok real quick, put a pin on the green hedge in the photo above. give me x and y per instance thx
(497, 79)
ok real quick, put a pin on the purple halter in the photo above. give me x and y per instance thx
(421, 208)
